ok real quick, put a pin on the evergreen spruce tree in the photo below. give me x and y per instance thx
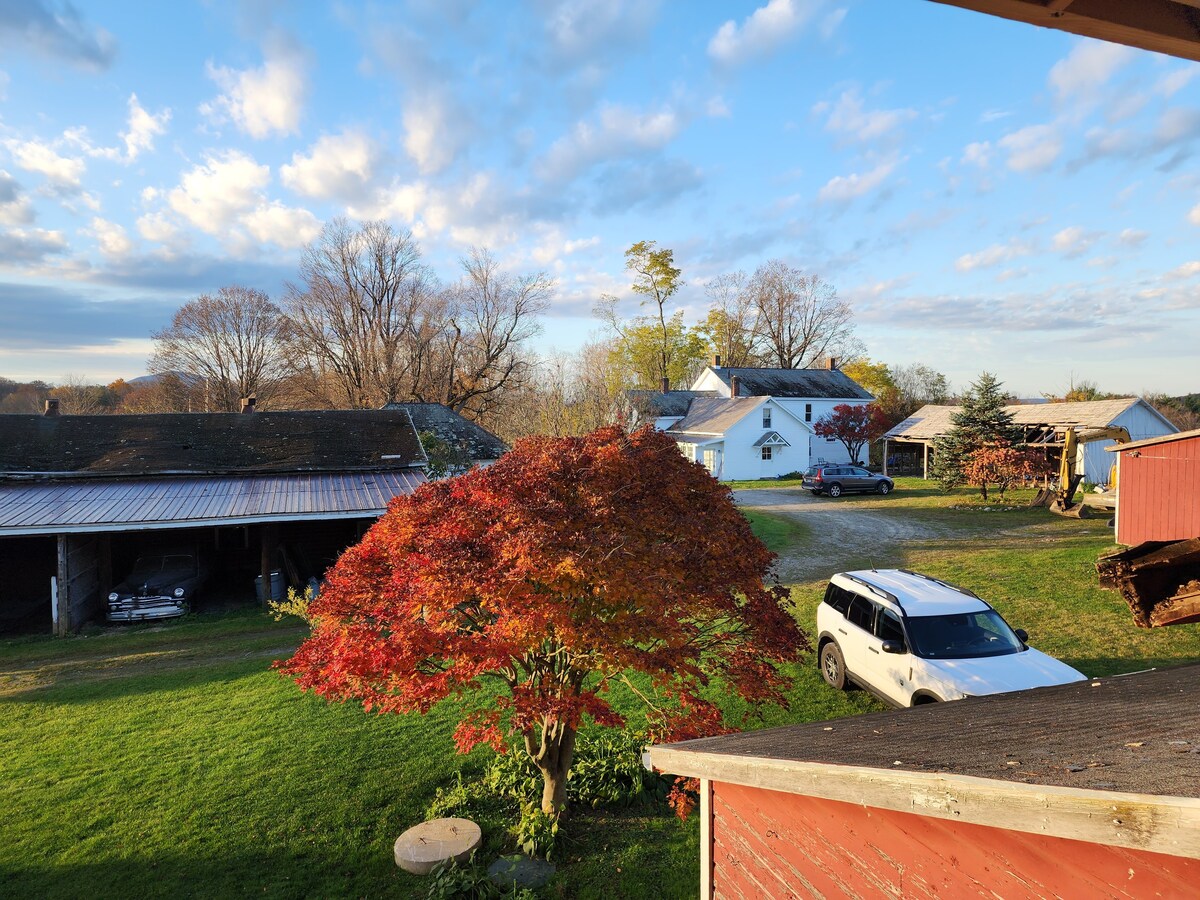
(981, 419)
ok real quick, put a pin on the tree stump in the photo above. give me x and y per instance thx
(424, 847)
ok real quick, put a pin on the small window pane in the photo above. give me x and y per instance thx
(766, 418)
(766, 453)
(861, 612)
(888, 627)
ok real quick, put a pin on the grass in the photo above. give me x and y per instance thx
(170, 761)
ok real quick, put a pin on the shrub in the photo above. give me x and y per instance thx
(536, 831)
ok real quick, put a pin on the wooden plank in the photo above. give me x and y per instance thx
(706, 860)
(1157, 823)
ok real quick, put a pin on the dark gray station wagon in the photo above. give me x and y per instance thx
(842, 479)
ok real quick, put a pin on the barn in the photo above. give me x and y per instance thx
(1158, 494)
(1080, 790)
(908, 444)
(82, 497)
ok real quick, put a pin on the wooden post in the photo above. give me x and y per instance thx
(885, 471)
(62, 595)
(268, 558)
(706, 840)
(925, 460)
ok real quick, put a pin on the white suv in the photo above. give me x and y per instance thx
(912, 639)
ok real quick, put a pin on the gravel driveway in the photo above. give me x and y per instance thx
(844, 532)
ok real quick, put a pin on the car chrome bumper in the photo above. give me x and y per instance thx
(141, 609)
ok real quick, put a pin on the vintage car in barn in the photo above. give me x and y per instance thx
(162, 585)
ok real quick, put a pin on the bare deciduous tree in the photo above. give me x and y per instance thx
(731, 326)
(801, 319)
(491, 316)
(364, 315)
(231, 342)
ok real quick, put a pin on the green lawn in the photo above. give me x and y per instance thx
(171, 762)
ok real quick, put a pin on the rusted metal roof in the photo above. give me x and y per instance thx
(58, 507)
(930, 422)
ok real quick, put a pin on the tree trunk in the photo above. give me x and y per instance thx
(554, 763)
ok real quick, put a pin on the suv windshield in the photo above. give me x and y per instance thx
(962, 636)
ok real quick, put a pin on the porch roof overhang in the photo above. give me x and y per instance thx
(1164, 26)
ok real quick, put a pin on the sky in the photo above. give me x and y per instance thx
(986, 195)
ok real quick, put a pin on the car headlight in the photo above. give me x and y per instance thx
(178, 592)
(113, 597)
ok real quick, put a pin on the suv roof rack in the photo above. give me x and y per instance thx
(874, 588)
(953, 587)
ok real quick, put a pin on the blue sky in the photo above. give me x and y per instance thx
(987, 195)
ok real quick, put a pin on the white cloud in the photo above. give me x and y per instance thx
(1074, 241)
(1183, 272)
(64, 173)
(211, 196)
(717, 108)
(762, 32)
(977, 154)
(844, 188)
(1175, 81)
(1131, 237)
(1087, 67)
(433, 132)
(284, 226)
(1033, 148)
(266, 100)
(336, 166)
(158, 228)
(29, 245)
(143, 128)
(992, 256)
(847, 117)
(111, 238)
(620, 132)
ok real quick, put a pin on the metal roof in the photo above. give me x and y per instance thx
(715, 415)
(59, 507)
(930, 422)
(655, 404)
(1150, 442)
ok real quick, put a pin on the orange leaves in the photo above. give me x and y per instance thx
(566, 561)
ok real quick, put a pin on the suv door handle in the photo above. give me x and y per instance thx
(842, 631)
(872, 649)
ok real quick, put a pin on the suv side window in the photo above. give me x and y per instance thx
(861, 612)
(888, 627)
(838, 598)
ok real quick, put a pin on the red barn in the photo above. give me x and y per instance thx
(1158, 489)
(1082, 790)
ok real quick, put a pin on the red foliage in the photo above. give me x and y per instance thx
(537, 581)
(854, 426)
(1002, 464)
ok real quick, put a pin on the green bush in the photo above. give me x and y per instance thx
(470, 881)
(536, 832)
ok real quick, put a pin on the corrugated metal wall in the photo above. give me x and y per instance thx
(1159, 493)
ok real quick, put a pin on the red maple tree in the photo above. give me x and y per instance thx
(853, 425)
(530, 587)
(1000, 463)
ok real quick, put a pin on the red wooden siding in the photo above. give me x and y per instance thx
(777, 845)
(1159, 493)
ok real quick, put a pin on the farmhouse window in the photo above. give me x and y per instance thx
(807, 412)
(766, 453)
(767, 417)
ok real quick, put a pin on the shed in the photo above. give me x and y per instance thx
(1081, 790)
(82, 496)
(1044, 425)
(1158, 489)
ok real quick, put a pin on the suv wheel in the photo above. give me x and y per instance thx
(834, 490)
(833, 666)
(884, 487)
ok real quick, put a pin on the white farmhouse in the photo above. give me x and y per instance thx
(745, 424)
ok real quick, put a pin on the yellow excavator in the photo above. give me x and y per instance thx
(1062, 499)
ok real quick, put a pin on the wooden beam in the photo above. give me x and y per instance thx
(706, 840)
(1160, 824)
(1164, 26)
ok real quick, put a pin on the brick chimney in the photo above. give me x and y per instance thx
(248, 403)
(831, 363)
(716, 360)
(735, 386)
(51, 408)
(666, 385)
